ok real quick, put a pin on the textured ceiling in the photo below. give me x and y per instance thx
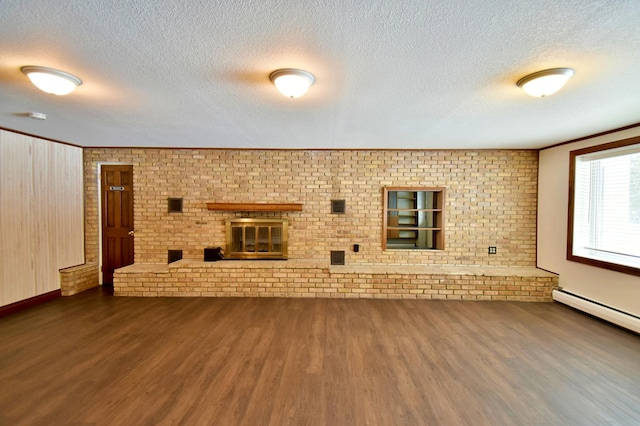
(413, 74)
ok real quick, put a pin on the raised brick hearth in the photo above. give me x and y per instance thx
(299, 278)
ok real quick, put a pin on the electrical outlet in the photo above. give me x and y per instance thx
(493, 250)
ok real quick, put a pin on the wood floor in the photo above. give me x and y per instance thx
(97, 359)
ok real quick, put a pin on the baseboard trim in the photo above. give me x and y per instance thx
(597, 309)
(30, 302)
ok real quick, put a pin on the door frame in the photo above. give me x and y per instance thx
(99, 188)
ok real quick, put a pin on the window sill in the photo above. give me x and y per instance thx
(604, 265)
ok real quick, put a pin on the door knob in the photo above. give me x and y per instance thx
(131, 233)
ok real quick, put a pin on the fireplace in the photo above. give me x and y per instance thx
(250, 238)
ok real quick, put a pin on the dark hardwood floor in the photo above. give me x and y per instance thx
(98, 359)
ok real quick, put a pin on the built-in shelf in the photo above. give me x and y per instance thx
(414, 218)
(255, 207)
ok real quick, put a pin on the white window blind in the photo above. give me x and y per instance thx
(607, 206)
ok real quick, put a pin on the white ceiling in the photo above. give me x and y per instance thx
(413, 74)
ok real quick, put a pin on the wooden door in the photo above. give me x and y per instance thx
(117, 219)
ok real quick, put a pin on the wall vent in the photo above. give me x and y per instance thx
(338, 206)
(337, 257)
(175, 205)
(174, 255)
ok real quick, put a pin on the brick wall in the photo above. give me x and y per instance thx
(187, 278)
(490, 200)
(78, 278)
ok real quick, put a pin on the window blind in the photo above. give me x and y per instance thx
(607, 206)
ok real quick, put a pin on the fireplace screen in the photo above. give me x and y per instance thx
(256, 239)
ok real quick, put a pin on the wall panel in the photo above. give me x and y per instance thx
(41, 214)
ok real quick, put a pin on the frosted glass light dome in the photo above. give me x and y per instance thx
(292, 83)
(49, 80)
(545, 83)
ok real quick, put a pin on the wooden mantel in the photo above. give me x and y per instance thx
(255, 207)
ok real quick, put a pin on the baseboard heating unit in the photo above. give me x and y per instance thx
(623, 319)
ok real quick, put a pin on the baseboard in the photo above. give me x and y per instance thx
(622, 319)
(30, 302)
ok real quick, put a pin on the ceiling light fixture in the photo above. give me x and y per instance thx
(291, 82)
(545, 83)
(51, 81)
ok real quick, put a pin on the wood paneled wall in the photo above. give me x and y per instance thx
(41, 214)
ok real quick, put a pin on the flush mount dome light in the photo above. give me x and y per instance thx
(292, 83)
(51, 81)
(545, 83)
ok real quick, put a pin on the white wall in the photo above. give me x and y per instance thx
(615, 289)
(41, 215)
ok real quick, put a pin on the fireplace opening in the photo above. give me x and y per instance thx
(250, 238)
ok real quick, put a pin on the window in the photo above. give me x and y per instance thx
(604, 206)
(413, 218)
